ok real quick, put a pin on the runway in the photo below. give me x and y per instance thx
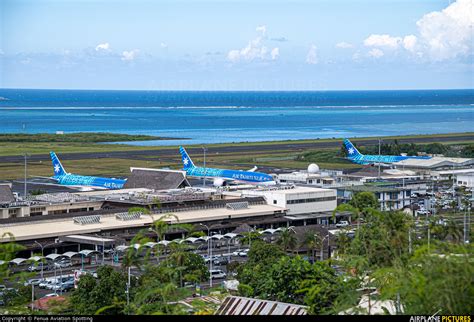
(269, 148)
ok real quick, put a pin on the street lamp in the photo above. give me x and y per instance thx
(103, 248)
(204, 149)
(25, 192)
(250, 237)
(322, 243)
(42, 254)
(209, 240)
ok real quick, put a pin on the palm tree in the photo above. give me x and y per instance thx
(312, 242)
(287, 239)
(453, 230)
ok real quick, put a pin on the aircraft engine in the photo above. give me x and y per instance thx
(219, 182)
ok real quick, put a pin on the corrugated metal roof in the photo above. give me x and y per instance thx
(236, 305)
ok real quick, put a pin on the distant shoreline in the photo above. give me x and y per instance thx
(79, 137)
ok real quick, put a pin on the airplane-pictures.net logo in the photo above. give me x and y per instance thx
(440, 318)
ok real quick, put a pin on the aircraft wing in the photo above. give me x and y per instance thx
(253, 169)
(49, 178)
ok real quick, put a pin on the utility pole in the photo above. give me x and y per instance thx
(409, 241)
(465, 224)
(32, 297)
(204, 149)
(25, 192)
(428, 239)
(42, 255)
(209, 251)
(322, 248)
(379, 161)
(128, 291)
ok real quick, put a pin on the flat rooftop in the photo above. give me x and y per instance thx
(295, 189)
(62, 227)
(435, 162)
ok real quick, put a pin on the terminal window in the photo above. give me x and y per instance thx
(307, 200)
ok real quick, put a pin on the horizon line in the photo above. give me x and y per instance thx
(235, 90)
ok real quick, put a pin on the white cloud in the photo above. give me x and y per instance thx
(255, 49)
(385, 41)
(409, 43)
(376, 53)
(442, 35)
(105, 46)
(275, 53)
(344, 45)
(312, 56)
(129, 55)
(448, 33)
(262, 30)
(164, 45)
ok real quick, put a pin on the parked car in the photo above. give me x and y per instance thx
(63, 264)
(244, 253)
(207, 258)
(45, 282)
(52, 284)
(220, 261)
(342, 223)
(423, 212)
(217, 273)
(34, 281)
(64, 286)
(38, 267)
(236, 253)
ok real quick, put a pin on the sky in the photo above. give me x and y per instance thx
(237, 44)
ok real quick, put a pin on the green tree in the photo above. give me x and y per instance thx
(14, 300)
(468, 151)
(108, 291)
(440, 280)
(156, 298)
(364, 200)
(260, 258)
(381, 240)
(287, 240)
(323, 288)
(179, 267)
(312, 241)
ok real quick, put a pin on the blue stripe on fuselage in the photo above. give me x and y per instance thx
(78, 180)
(368, 159)
(246, 176)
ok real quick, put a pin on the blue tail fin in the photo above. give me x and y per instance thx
(187, 162)
(351, 149)
(57, 166)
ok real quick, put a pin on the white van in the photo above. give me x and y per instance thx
(217, 273)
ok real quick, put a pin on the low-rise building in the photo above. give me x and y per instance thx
(298, 200)
(465, 180)
(49, 204)
(388, 196)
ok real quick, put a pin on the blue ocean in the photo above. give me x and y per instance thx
(221, 117)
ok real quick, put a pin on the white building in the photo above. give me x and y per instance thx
(312, 176)
(298, 200)
(448, 174)
(389, 197)
(465, 180)
(435, 164)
